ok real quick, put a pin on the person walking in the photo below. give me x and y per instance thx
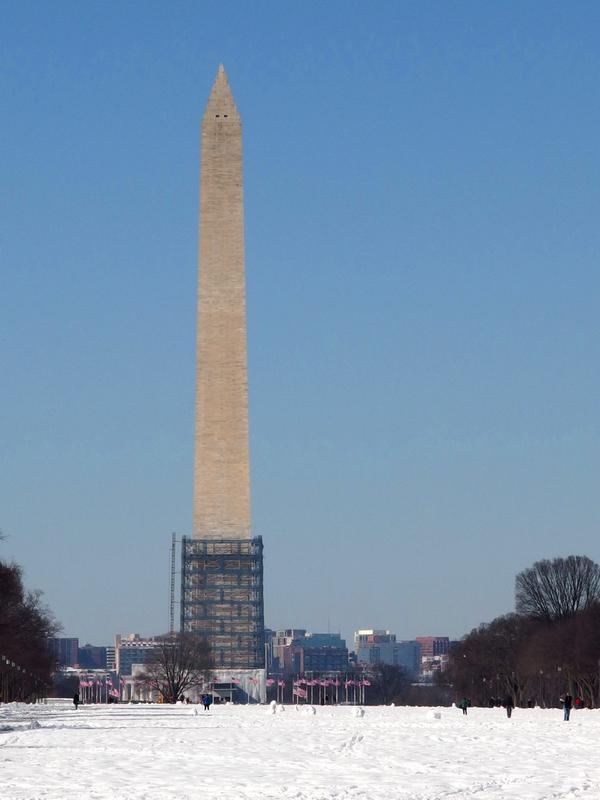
(508, 705)
(464, 704)
(567, 702)
(76, 700)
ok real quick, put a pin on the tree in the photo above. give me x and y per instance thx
(180, 661)
(565, 655)
(25, 626)
(485, 663)
(389, 684)
(557, 589)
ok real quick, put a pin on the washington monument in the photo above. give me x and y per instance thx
(222, 563)
(221, 470)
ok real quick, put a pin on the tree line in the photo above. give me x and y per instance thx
(26, 623)
(549, 645)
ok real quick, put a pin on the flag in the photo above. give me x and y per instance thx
(270, 682)
(366, 682)
(300, 692)
(280, 683)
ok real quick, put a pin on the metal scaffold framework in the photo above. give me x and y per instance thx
(222, 598)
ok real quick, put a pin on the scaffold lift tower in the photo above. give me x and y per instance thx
(222, 598)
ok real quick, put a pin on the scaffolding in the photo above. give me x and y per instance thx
(222, 598)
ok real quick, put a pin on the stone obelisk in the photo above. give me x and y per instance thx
(222, 599)
(221, 468)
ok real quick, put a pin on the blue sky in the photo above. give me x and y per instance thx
(422, 201)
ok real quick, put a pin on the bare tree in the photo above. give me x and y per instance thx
(389, 683)
(484, 663)
(25, 626)
(557, 589)
(180, 661)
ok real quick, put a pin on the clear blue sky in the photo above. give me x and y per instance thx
(422, 202)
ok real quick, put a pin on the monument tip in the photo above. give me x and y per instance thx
(221, 100)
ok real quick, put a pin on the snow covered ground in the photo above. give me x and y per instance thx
(133, 752)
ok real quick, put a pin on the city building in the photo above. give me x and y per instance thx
(111, 658)
(323, 652)
(433, 645)
(93, 657)
(131, 649)
(65, 650)
(381, 647)
(296, 651)
(434, 655)
(285, 658)
(222, 563)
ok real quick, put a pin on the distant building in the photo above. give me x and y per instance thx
(269, 649)
(380, 647)
(323, 652)
(294, 650)
(434, 655)
(64, 650)
(132, 649)
(374, 646)
(433, 645)
(111, 658)
(284, 656)
(92, 657)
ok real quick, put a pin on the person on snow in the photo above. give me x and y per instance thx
(76, 700)
(464, 704)
(206, 701)
(567, 702)
(508, 705)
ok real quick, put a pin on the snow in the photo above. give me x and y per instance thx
(133, 752)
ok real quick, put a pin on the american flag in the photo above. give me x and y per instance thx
(300, 692)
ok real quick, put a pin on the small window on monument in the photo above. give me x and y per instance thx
(225, 115)
(217, 115)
